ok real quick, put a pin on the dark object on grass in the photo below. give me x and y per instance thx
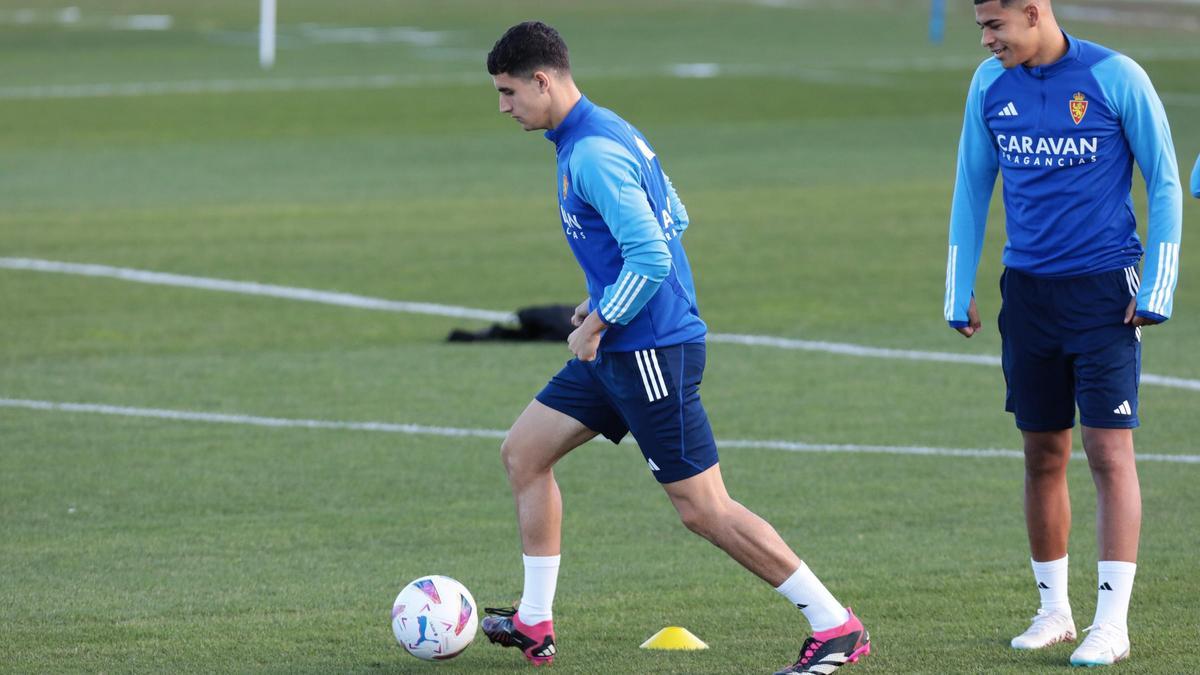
(548, 323)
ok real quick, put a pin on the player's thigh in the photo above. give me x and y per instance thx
(1038, 373)
(540, 437)
(1040, 393)
(1040, 386)
(1106, 373)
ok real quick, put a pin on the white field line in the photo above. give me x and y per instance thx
(456, 432)
(847, 349)
(254, 288)
(73, 16)
(1140, 17)
(362, 82)
(275, 84)
(379, 304)
(880, 70)
(411, 35)
(251, 420)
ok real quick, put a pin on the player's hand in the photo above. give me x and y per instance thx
(581, 313)
(973, 324)
(1131, 317)
(585, 340)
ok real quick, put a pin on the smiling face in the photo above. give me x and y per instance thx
(1010, 32)
(526, 99)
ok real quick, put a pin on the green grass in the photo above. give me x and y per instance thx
(818, 176)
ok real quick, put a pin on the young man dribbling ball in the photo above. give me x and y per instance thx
(639, 357)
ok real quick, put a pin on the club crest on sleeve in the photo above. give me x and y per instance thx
(1078, 106)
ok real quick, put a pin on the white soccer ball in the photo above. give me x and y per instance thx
(434, 618)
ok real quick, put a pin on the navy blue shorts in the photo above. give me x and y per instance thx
(654, 393)
(1065, 343)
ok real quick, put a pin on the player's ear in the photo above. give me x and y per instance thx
(542, 80)
(1033, 13)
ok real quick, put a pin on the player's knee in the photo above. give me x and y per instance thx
(510, 456)
(701, 518)
(1109, 460)
(1046, 456)
(520, 462)
(696, 521)
(1050, 463)
(1108, 452)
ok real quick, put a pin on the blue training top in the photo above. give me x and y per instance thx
(624, 223)
(1064, 136)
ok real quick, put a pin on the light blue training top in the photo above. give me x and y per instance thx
(624, 222)
(1196, 179)
(1064, 137)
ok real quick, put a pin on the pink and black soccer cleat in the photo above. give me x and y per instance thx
(828, 650)
(503, 627)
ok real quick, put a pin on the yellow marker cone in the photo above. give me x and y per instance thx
(674, 637)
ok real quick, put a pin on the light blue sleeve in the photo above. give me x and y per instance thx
(608, 177)
(679, 213)
(1196, 180)
(1130, 93)
(973, 186)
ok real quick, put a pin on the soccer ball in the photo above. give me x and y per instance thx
(434, 618)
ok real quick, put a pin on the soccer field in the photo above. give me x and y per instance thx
(199, 476)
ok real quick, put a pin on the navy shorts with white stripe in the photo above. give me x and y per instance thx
(1065, 343)
(653, 393)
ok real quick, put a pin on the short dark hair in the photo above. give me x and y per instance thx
(527, 47)
(1003, 3)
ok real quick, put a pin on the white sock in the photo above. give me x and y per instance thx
(804, 590)
(1052, 584)
(1112, 599)
(541, 580)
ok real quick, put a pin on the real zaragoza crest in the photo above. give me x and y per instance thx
(1078, 107)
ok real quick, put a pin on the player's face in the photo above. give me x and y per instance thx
(526, 100)
(1009, 33)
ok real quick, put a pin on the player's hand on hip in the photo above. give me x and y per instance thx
(1132, 318)
(973, 323)
(585, 340)
(581, 313)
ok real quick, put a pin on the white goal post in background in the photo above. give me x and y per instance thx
(266, 34)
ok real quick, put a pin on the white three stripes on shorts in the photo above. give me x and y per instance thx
(652, 379)
(1131, 278)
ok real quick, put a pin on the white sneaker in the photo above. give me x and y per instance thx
(1048, 628)
(1105, 645)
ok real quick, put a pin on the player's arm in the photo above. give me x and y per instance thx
(1196, 180)
(608, 177)
(678, 211)
(1144, 121)
(973, 186)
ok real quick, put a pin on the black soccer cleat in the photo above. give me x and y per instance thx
(503, 627)
(829, 650)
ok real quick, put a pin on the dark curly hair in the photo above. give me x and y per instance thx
(527, 47)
